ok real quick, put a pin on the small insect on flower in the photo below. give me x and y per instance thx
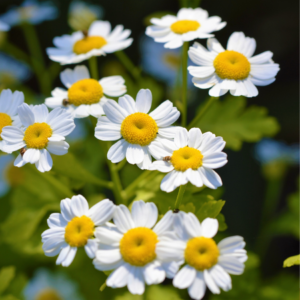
(167, 158)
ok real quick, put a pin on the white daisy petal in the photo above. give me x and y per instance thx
(194, 137)
(147, 161)
(134, 154)
(162, 166)
(143, 101)
(105, 257)
(56, 220)
(117, 151)
(167, 184)
(231, 264)
(122, 218)
(119, 277)
(185, 277)
(25, 114)
(102, 212)
(108, 236)
(114, 112)
(63, 254)
(209, 227)
(215, 160)
(31, 156)
(181, 138)
(165, 224)
(136, 285)
(153, 274)
(40, 113)
(106, 130)
(214, 45)
(210, 178)
(262, 58)
(128, 104)
(91, 248)
(160, 111)
(171, 268)
(179, 226)
(192, 225)
(79, 206)
(211, 283)
(70, 257)
(220, 277)
(170, 250)
(198, 287)
(45, 162)
(144, 214)
(58, 148)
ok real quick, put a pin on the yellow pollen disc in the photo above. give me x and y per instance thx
(232, 65)
(139, 128)
(186, 158)
(138, 246)
(5, 120)
(36, 135)
(85, 91)
(184, 26)
(48, 294)
(78, 231)
(201, 253)
(89, 43)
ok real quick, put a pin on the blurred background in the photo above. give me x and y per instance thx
(260, 181)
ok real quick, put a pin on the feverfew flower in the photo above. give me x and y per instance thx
(82, 15)
(9, 103)
(41, 132)
(234, 69)
(85, 96)
(82, 45)
(130, 247)
(188, 25)
(48, 285)
(206, 263)
(74, 227)
(130, 122)
(192, 156)
(30, 11)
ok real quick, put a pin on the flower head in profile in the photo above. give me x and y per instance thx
(30, 11)
(41, 132)
(85, 96)
(9, 103)
(191, 157)
(74, 227)
(82, 45)
(52, 286)
(82, 15)
(129, 122)
(188, 25)
(130, 247)
(205, 262)
(234, 69)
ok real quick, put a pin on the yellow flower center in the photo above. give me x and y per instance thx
(172, 60)
(36, 135)
(201, 253)
(78, 231)
(138, 246)
(48, 294)
(89, 43)
(139, 128)
(186, 158)
(232, 65)
(184, 26)
(5, 120)
(85, 91)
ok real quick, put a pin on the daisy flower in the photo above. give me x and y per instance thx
(74, 227)
(206, 263)
(188, 25)
(41, 132)
(50, 285)
(234, 69)
(9, 103)
(4, 26)
(85, 96)
(192, 156)
(30, 11)
(130, 122)
(129, 247)
(82, 15)
(82, 45)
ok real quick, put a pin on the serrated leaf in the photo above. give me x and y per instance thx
(6, 276)
(210, 209)
(291, 261)
(221, 220)
(236, 123)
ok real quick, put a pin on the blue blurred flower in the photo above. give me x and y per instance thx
(82, 15)
(30, 11)
(4, 26)
(47, 285)
(79, 133)
(268, 150)
(12, 70)
(160, 62)
(5, 162)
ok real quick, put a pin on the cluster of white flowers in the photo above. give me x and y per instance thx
(140, 250)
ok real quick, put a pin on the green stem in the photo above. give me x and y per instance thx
(180, 196)
(94, 67)
(37, 59)
(128, 64)
(185, 48)
(197, 3)
(202, 111)
(117, 190)
(135, 183)
(16, 52)
(121, 164)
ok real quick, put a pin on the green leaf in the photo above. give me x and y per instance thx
(159, 292)
(210, 209)
(291, 261)
(237, 123)
(8, 297)
(6, 276)
(222, 224)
